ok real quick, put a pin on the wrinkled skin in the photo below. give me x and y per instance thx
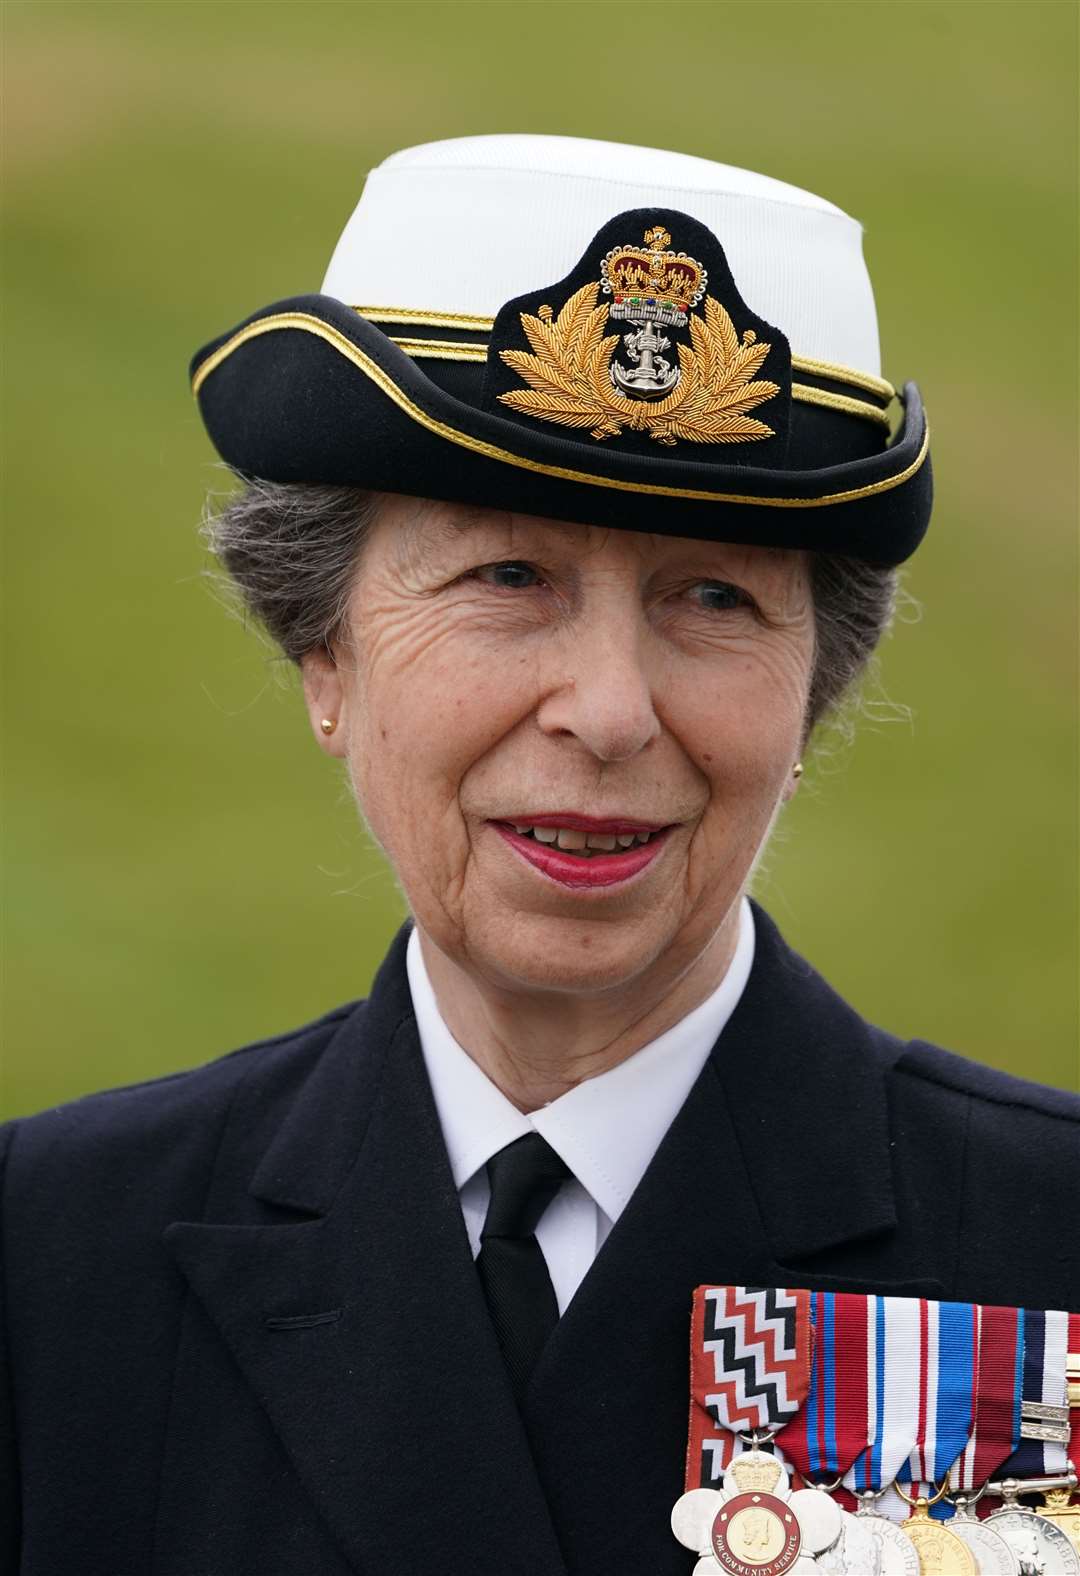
(499, 665)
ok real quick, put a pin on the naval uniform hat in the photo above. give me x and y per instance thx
(590, 332)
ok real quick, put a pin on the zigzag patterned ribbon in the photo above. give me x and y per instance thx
(749, 1370)
(1041, 1391)
(759, 1343)
(997, 1415)
(832, 1428)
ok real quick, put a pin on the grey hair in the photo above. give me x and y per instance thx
(292, 551)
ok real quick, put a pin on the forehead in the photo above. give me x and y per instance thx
(427, 530)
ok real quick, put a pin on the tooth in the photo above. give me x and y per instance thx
(601, 840)
(570, 839)
(625, 839)
(544, 834)
(643, 837)
(521, 830)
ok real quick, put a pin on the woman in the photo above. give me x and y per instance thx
(572, 571)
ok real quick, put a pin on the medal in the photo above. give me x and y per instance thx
(755, 1526)
(1038, 1463)
(1040, 1546)
(1059, 1507)
(946, 1400)
(749, 1374)
(940, 1551)
(993, 1555)
(755, 1535)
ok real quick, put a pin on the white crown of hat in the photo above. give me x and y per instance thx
(464, 225)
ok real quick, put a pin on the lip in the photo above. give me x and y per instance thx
(585, 874)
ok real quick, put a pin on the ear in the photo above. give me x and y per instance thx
(324, 695)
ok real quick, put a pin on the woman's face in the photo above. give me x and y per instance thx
(508, 672)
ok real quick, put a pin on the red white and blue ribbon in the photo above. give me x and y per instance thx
(892, 1368)
(947, 1376)
(1041, 1396)
(831, 1428)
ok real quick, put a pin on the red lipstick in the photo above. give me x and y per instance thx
(569, 870)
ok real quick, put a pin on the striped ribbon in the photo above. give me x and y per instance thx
(892, 1367)
(996, 1430)
(1073, 1388)
(831, 1428)
(1040, 1380)
(946, 1400)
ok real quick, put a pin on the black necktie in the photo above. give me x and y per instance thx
(524, 1177)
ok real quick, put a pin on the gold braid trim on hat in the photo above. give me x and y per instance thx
(307, 323)
(418, 317)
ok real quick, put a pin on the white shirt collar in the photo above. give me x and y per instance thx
(608, 1128)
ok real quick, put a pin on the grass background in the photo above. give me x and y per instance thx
(183, 869)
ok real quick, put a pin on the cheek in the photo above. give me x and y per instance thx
(420, 726)
(745, 720)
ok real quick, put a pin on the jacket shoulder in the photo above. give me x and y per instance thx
(1000, 1157)
(170, 1124)
(993, 1093)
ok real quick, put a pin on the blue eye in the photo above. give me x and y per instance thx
(719, 596)
(511, 575)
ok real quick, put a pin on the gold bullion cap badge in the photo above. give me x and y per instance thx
(647, 340)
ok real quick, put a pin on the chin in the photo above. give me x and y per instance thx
(575, 954)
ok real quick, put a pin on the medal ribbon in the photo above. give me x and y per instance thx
(1041, 1389)
(892, 1369)
(831, 1428)
(749, 1370)
(946, 1388)
(996, 1428)
(1072, 1371)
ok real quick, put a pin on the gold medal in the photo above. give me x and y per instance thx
(1059, 1507)
(941, 1552)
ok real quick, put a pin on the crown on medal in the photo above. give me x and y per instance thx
(755, 1472)
(652, 283)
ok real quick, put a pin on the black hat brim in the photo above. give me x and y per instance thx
(307, 390)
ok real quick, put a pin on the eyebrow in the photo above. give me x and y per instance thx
(466, 519)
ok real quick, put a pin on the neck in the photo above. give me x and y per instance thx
(535, 1045)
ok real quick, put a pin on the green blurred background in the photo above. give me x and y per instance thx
(183, 869)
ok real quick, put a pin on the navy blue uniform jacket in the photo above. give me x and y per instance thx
(245, 1336)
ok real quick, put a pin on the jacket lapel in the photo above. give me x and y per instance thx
(780, 1151)
(362, 1332)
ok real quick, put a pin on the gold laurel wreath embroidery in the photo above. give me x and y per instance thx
(569, 382)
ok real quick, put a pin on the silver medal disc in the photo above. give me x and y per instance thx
(693, 1516)
(995, 1557)
(1041, 1548)
(895, 1554)
(855, 1554)
(820, 1519)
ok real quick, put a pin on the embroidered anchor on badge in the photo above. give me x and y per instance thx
(577, 378)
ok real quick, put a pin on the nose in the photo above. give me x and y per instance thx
(602, 692)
